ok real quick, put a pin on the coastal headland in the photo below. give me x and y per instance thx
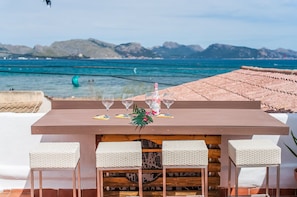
(96, 49)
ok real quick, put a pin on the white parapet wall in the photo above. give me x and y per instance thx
(16, 141)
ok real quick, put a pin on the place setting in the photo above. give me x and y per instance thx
(127, 101)
(107, 101)
(167, 99)
(152, 99)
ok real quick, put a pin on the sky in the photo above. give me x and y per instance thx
(252, 23)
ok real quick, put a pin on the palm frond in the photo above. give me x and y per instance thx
(295, 141)
(290, 149)
(294, 138)
(140, 117)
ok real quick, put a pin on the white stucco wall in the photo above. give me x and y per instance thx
(16, 141)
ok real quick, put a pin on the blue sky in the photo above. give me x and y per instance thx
(252, 23)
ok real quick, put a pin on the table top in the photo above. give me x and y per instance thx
(196, 121)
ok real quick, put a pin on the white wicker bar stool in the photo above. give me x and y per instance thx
(186, 154)
(55, 156)
(253, 153)
(118, 156)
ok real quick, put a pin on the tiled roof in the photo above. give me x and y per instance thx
(21, 101)
(276, 89)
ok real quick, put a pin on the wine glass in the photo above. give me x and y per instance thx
(168, 100)
(107, 101)
(127, 100)
(149, 99)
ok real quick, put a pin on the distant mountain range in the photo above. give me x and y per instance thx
(96, 49)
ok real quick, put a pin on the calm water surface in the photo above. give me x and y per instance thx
(54, 77)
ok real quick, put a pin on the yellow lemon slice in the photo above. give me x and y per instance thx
(101, 117)
(122, 116)
(165, 116)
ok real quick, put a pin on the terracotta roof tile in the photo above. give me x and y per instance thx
(276, 89)
(21, 101)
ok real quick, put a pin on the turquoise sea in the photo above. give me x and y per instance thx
(54, 77)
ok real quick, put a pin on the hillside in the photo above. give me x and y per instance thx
(96, 49)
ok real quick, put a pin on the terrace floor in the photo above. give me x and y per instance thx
(92, 192)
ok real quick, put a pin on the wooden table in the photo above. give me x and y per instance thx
(192, 120)
(210, 119)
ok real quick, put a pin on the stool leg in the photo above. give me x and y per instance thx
(32, 183)
(98, 183)
(78, 179)
(74, 183)
(206, 181)
(229, 177)
(40, 183)
(267, 180)
(140, 182)
(164, 181)
(202, 181)
(277, 181)
(236, 180)
(101, 183)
